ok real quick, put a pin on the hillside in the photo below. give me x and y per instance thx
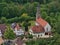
(21, 10)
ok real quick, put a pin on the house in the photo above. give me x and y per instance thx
(1, 40)
(19, 41)
(18, 29)
(8, 42)
(42, 28)
(13, 25)
(2, 29)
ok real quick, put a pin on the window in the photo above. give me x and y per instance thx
(46, 33)
(38, 35)
(41, 34)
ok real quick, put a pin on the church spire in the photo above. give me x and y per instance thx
(38, 11)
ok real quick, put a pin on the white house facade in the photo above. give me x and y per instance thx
(0, 33)
(47, 28)
(18, 32)
(17, 29)
(41, 34)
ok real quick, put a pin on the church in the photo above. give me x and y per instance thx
(42, 28)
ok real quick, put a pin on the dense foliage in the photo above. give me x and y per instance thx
(22, 10)
(9, 34)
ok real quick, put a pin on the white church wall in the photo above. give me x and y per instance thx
(47, 28)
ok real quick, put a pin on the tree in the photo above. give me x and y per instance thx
(9, 34)
(58, 28)
(26, 19)
(26, 24)
(3, 20)
(5, 12)
(30, 36)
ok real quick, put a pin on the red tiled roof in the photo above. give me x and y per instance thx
(37, 29)
(41, 22)
(2, 27)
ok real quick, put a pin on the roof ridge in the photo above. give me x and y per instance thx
(41, 22)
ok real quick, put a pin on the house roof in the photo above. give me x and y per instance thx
(18, 27)
(41, 22)
(13, 25)
(37, 29)
(19, 41)
(1, 40)
(8, 42)
(2, 27)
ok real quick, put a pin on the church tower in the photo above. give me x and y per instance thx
(38, 11)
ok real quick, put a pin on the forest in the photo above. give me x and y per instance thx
(21, 10)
